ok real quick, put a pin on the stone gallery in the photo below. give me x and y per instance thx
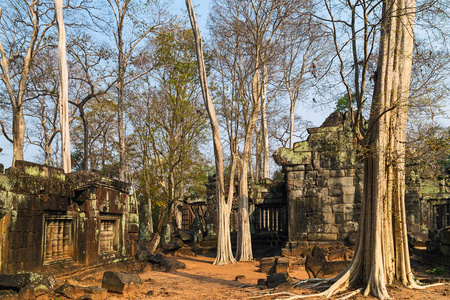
(49, 219)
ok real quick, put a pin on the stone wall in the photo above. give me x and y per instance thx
(323, 183)
(49, 219)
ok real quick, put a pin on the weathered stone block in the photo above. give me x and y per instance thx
(302, 147)
(282, 265)
(276, 279)
(266, 264)
(341, 181)
(322, 237)
(296, 175)
(288, 168)
(339, 218)
(337, 173)
(339, 208)
(284, 156)
(78, 292)
(348, 199)
(120, 282)
(335, 191)
(349, 190)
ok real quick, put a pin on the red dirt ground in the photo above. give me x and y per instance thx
(203, 280)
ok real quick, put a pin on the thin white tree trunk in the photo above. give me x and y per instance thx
(66, 163)
(292, 118)
(264, 132)
(224, 254)
(244, 242)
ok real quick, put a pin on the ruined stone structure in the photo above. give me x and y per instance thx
(324, 186)
(50, 219)
(323, 183)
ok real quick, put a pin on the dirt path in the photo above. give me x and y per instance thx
(203, 280)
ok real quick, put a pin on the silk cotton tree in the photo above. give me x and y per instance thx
(382, 253)
(66, 163)
(224, 252)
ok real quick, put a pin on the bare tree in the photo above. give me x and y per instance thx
(224, 253)
(66, 163)
(90, 79)
(122, 10)
(23, 28)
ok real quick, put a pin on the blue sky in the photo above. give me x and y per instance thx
(202, 7)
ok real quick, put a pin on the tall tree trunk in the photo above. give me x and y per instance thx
(85, 158)
(224, 254)
(264, 132)
(18, 133)
(120, 111)
(292, 120)
(382, 254)
(66, 163)
(244, 238)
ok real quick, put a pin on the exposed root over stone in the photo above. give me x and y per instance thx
(340, 284)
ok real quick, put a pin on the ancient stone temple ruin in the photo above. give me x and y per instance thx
(49, 219)
(324, 186)
(323, 183)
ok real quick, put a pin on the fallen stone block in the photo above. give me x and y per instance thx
(173, 245)
(185, 236)
(282, 265)
(143, 255)
(266, 264)
(14, 282)
(284, 287)
(276, 279)
(342, 253)
(332, 268)
(239, 278)
(120, 282)
(79, 292)
(163, 263)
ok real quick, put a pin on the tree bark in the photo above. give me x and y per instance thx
(66, 163)
(264, 132)
(224, 254)
(244, 242)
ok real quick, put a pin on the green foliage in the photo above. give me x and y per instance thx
(170, 125)
(343, 103)
(437, 271)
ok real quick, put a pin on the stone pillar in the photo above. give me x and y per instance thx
(297, 218)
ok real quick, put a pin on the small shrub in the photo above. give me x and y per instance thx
(437, 271)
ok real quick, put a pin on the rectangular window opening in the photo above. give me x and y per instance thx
(57, 239)
(109, 235)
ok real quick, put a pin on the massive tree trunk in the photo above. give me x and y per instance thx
(383, 219)
(382, 254)
(224, 253)
(66, 163)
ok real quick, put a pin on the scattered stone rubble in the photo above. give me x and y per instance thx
(317, 265)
